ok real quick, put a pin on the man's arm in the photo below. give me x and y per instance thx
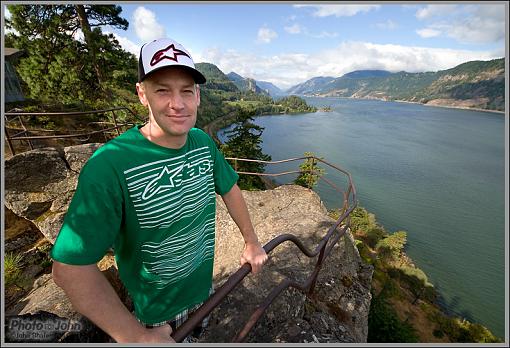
(92, 295)
(253, 252)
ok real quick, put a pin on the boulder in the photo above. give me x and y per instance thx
(39, 184)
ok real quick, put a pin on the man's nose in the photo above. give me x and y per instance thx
(176, 102)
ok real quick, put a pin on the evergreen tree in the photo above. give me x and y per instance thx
(310, 172)
(60, 68)
(244, 142)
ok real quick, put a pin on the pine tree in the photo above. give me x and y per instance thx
(244, 142)
(58, 67)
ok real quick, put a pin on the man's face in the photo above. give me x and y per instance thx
(172, 98)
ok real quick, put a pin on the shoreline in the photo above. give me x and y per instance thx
(418, 103)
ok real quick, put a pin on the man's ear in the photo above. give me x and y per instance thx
(198, 94)
(140, 90)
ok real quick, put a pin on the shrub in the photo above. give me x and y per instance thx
(12, 268)
(385, 326)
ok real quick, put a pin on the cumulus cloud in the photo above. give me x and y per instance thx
(287, 70)
(126, 44)
(266, 35)
(428, 32)
(146, 25)
(430, 11)
(298, 29)
(468, 24)
(339, 10)
(293, 29)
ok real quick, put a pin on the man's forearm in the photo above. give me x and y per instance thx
(253, 252)
(239, 212)
(92, 295)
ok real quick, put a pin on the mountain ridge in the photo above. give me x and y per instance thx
(474, 84)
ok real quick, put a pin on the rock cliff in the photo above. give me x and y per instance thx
(39, 185)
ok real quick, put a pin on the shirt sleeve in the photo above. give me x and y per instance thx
(91, 224)
(224, 175)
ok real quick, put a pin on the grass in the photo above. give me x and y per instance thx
(12, 269)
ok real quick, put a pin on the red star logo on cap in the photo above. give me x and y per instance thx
(167, 53)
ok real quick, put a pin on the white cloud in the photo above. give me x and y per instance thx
(430, 11)
(126, 44)
(486, 24)
(428, 32)
(339, 10)
(323, 34)
(266, 35)
(469, 24)
(293, 29)
(387, 25)
(146, 25)
(289, 69)
(297, 29)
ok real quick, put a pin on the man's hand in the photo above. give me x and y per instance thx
(158, 334)
(255, 255)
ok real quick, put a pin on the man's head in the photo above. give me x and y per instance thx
(168, 87)
(163, 53)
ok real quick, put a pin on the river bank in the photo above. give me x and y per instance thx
(442, 103)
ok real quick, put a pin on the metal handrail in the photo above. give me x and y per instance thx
(22, 136)
(323, 249)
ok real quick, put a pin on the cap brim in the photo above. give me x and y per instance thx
(197, 75)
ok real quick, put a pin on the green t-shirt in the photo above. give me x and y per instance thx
(156, 207)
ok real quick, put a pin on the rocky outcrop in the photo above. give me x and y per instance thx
(40, 184)
(338, 310)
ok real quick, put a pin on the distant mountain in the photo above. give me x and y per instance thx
(245, 83)
(216, 79)
(361, 74)
(311, 86)
(271, 89)
(476, 84)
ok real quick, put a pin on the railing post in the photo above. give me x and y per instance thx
(318, 265)
(25, 132)
(115, 122)
(7, 136)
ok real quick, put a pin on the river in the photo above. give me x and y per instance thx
(436, 173)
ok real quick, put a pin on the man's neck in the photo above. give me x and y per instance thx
(161, 138)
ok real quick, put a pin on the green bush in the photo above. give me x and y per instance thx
(310, 172)
(384, 325)
(374, 235)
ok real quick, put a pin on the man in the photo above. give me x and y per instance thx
(150, 194)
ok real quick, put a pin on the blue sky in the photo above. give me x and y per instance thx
(286, 43)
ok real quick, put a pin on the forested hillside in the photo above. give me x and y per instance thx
(476, 84)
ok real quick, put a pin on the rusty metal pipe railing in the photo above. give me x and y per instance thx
(306, 287)
(19, 115)
(63, 136)
(322, 249)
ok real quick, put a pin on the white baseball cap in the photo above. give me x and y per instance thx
(162, 53)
